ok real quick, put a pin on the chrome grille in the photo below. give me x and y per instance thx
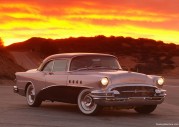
(135, 91)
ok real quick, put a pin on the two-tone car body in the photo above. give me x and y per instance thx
(90, 80)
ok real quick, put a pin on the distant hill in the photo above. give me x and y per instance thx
(151, 56)
(8, 66)
(27, 60)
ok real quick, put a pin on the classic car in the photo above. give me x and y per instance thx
(92, 81)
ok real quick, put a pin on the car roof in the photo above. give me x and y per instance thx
(71, 55)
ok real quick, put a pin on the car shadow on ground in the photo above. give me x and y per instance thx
(72, 109)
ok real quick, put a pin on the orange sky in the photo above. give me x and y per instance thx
(155, 19)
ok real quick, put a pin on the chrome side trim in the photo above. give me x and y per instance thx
(65, 86)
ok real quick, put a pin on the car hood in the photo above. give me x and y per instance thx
(127, 77)
(121, 77)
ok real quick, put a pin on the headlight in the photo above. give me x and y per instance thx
(160, 81)
(104, 81)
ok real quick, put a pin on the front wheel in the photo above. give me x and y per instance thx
(32, 100)
(146, 109)
(86, 103)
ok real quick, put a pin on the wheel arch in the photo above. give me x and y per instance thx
(78, 91)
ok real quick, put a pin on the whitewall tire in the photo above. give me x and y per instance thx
(32, 100)
(86, 103)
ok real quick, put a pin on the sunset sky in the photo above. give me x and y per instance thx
(155, 19)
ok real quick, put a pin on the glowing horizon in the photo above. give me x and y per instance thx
(21, 20)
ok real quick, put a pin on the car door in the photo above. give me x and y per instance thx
(56, 73)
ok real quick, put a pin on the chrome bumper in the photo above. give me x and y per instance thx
(111, 98)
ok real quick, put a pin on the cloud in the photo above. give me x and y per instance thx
(87, 18)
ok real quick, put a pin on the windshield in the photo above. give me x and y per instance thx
(94, 62)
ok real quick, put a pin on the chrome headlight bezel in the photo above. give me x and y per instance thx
(104, 81)
(160, 81)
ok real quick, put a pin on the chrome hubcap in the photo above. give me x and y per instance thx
(31, 94)
(87, 103)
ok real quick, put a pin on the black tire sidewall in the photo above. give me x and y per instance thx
(146, 109)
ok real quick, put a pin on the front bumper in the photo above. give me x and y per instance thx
(112, 98)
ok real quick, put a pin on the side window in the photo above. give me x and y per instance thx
(60, 65)
(48, 66)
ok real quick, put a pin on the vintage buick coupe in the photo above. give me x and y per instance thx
(90, 80)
